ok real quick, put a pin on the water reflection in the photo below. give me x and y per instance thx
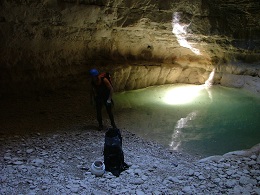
(209, 83)
(177, 133)
(214, 121)
(188, 93)
(182, 94)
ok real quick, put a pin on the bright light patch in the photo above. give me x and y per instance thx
(182, 95)
(180, 32)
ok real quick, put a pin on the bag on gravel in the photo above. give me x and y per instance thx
(113, 153)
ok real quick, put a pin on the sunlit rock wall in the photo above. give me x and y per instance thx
(46, 44)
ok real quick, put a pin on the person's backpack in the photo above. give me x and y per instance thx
(107, 76)
(113, 153)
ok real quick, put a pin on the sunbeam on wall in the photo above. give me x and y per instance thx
(180, 31)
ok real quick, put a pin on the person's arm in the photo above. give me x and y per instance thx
(92, 94)
(111, 89)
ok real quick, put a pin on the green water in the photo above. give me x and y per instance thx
(193, 119)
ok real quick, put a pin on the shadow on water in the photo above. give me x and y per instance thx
(192, 118)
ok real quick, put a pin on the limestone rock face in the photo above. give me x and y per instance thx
(46, 44)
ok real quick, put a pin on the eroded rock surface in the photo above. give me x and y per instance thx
(48, 43)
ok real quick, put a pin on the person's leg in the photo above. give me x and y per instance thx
(99, 113)
(110, 114)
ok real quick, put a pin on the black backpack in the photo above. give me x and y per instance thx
(113, 153)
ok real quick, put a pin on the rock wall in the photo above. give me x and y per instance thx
(47, 43)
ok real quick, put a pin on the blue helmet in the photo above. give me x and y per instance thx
(93, 72)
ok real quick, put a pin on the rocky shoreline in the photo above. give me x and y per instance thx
(59, 163)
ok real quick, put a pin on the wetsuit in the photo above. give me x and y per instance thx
(102, 93)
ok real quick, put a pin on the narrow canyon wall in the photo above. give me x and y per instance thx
(47, 44)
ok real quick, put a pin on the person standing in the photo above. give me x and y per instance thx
(102, 92)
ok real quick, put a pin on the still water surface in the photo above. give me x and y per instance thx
(191, 118)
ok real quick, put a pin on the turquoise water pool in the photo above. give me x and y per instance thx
(191, 118)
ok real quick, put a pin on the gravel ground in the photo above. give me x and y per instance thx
(59, 163)
(47, 148)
